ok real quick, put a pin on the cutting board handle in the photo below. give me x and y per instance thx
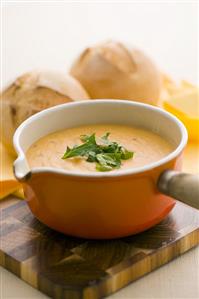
(181, 186)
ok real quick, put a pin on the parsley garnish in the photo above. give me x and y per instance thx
(106, 154)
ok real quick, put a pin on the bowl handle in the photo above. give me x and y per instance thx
(181, 186)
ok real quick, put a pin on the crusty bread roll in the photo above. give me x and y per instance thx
(113, 70)
(32, 93)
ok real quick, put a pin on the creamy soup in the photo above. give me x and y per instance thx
(147, 146)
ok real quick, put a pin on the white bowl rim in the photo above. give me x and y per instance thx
(118, 173)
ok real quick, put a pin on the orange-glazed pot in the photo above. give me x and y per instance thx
(99, 205)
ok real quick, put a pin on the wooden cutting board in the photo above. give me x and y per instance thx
(72, 268)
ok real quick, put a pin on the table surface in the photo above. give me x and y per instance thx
(41, 35)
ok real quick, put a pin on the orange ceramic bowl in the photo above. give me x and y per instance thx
(98, 205)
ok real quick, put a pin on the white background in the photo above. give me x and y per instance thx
(51, 35)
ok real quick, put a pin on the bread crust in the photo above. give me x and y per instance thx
(32, 93)
(114, 70)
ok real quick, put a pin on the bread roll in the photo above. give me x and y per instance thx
(113, 70)
(32, 93)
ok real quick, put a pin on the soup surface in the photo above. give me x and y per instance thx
(48, 151)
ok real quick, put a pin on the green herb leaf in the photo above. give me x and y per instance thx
(126, 155)
(104, 138)
(88, 138)
(107, 155)
(91, 157)
(109, 159)
(100, 167)
(82, 150)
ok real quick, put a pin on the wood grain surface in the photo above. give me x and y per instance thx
(66, 267)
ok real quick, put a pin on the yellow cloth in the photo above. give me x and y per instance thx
(182, 100)
(8, 183)
(191, 158)
(19, 193)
